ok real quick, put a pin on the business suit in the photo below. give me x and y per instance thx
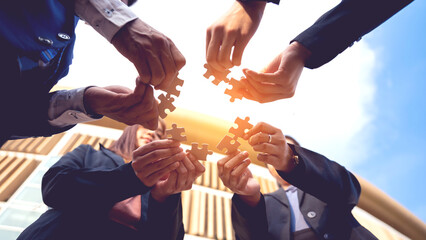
(346, 23)
(27, 28)
(327, 193)
(82, 187)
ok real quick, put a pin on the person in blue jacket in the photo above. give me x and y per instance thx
(314, 200)
(129, 191)
(36, 45)
(331, 34)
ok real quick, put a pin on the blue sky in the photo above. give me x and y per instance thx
(398, 158)
(366, 109)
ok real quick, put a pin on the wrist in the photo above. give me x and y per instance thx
(290, 162)
(300, 51)
(250, 200)
(87, 100)
(159, 197)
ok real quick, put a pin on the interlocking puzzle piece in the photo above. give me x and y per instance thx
(176, 133)
(165, 103)
(236, 91)
(200, 153)
(229, 143)
(218, 76)
(172, 89)
(243, 125)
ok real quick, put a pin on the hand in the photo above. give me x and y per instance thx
(156, 159)
(154, 55)
(279, 79)
(234, 173)
(124, 105)
(232, 30)
(271, 142)
(179, 180)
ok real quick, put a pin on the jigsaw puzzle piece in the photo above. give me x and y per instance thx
(176, 133)
(229, 143)
(172, 90)
(236, 91)
(200, 153)
(166, 102)
(218, 76)
(243, 125)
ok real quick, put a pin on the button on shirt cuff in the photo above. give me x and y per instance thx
(105, 16)
(66, 108)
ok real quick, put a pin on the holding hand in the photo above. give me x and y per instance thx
(124, 105)
(234, 173)
(154, 55)
(271, 142)
(179, 180)
(279, 79)
(156, 159)
(232, 30)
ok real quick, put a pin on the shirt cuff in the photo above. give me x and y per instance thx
(66, 107)
(105, 16)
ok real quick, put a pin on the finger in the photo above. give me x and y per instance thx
(255, 92)
(237, 54)
(225, 52)
(222, 161)
(156, 145)
(182, 176)
(170, 71)
(242, 183)
(241, 168)
(268, 158)
(233, 162)
(260, 127)
(160, 165)
(267, 148)
(208, 38)
(140, 87)
(157, 70)
(178, 57)
(262, 77)
(190, 168)
(144, 71)
(153, 178)
(236, 174)
(213, 52)
(259, 138)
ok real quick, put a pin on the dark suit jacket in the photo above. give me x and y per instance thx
(346, 23)
(327, 194)
(82, 187)
(24, 95)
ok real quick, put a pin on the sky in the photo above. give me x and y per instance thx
(366, 109)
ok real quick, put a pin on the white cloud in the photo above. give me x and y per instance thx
(331, 106)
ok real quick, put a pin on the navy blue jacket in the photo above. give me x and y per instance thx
(83, 186)
(27, 28)
(327, 193)
(346, 23)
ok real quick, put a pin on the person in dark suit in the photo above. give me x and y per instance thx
(36, 44)
(129, 191)
(330, 35)
(314, 201)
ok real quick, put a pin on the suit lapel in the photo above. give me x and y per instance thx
(281, 197)
(117, 160)
(300, 196)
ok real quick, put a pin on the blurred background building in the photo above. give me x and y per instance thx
(206, 208)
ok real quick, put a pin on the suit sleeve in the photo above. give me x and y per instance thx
(338, 28)
(249, 222)
(324, 179)
(72, 185)
(162, 220)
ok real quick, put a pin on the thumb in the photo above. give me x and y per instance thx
(140, 87)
